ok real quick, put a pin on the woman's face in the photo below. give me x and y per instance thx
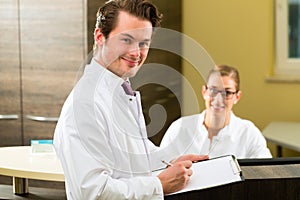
(220, 95)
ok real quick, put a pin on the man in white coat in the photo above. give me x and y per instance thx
(101, 136)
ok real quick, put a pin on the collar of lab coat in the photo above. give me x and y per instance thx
(107, 78)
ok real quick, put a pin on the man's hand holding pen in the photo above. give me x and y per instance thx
(168, 164)
(177, 174)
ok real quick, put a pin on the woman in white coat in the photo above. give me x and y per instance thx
(217, 130)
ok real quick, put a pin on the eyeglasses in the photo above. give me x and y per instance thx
(213, 92)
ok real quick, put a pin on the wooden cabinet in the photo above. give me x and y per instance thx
(43, 45)
(10, 83)
(53, 47)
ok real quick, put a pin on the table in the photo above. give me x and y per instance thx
(283, 134)
(19, 163)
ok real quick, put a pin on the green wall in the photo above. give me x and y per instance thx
(241, 34)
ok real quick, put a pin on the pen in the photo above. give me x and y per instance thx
(167, 163)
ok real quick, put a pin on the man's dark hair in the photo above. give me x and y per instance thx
(107, 15)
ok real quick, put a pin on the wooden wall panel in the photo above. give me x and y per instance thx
(10, 129)
(53, 49)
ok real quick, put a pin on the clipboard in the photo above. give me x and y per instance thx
(212, 172)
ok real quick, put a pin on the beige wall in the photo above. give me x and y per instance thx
(241, 33)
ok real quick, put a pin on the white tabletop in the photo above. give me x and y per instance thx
(18, 161)
(285, 134)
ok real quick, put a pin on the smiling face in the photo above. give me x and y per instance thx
(127, 46)
(220, 95)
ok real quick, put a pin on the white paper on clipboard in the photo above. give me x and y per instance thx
(213, 172)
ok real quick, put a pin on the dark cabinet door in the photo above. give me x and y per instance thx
(10, 105)
(161, 96)
(53, 49)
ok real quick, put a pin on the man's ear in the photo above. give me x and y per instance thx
(98, 36)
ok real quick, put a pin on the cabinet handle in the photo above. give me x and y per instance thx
(9, 116)
(42, 119)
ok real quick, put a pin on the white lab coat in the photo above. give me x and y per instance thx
(102, 143)
(240, 138)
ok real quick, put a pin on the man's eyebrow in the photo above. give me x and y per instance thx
(128, 35)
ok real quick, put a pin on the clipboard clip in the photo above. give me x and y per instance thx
(235, 166)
